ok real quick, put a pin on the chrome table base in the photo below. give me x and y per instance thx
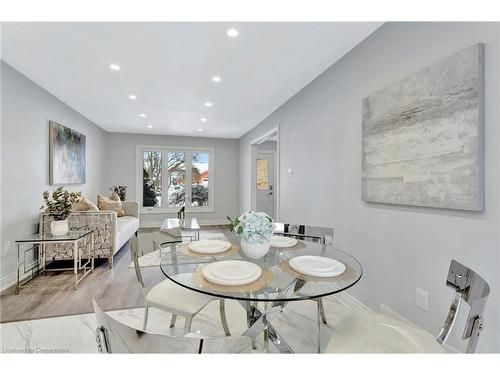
(260, 322)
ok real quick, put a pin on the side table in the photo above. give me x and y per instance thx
(81, 266)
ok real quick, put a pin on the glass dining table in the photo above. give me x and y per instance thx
(279, 284)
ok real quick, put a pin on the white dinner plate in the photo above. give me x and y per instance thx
(317, 266)
(281, 241)
(231, 272)
(209, 246)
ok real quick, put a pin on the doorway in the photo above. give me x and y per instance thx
(265, 175)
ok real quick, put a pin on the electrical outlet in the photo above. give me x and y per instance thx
(422, 300)
(290, 172)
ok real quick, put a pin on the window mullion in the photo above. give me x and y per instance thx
(165, 179)
(189, 178)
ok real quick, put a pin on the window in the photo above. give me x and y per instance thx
(170, 178)
(151, 179)
(176, 191)
(200, 179)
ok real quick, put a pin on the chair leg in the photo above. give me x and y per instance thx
(319, 319)
(187, 325)
(222, 309)
(172, 321)
(110, 262)
(145, 322)
(322, 311)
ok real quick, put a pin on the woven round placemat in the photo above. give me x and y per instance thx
(347, 274)
(264, 279)
(298, 246)
(186, 251)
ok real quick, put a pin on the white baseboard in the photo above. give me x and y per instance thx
(387, 311)
(348, 300)
(202, 222)
(7, 281)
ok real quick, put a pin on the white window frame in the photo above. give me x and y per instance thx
(140, 149)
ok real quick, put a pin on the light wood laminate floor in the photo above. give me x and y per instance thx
(114, 289)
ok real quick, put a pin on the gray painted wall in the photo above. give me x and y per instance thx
(1, 131)
(268, 146)
(401, 248)
(122, 171)
(26, 111)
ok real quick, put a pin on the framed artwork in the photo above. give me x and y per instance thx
(423, 137)
(67, 164)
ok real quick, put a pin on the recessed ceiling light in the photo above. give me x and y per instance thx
(115, 67)
(199, 130)
(150, 126)
(208, 104)
(132, 97)
(143, 115)
(216, 79)
(232, 33)
(203, 119)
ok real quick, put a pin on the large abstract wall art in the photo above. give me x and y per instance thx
(423, 137)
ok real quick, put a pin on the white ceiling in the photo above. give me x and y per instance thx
(169, 66)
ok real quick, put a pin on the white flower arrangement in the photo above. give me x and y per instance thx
(252, 226)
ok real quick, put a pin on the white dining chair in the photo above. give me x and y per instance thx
(307, 233)
(369, 332)
(113, 336)
(170, 297)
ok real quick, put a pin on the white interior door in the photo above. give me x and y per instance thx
(265, 183)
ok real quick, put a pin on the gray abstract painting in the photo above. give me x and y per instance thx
(423, 137)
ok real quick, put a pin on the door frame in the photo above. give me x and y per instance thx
(253, 166)
(275, 182)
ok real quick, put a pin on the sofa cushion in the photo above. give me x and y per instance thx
(126, 226)
(111, 204)
(84, 205)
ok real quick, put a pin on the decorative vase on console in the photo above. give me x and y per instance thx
(255, 230)
(58, 207)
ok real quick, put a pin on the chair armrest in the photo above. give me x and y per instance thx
(131, 208)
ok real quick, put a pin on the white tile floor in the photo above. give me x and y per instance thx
(75, 334)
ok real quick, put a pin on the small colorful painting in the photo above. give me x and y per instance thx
(67, 155)
(262, 174)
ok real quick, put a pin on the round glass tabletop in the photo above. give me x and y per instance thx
(279, 282)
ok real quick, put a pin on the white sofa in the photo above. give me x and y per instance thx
(111, 232)
(126, 226)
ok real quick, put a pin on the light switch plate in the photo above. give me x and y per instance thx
(290, 172)
(422, 299)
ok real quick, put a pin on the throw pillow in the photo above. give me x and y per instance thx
(114, 196)
(84, 205)
(111, 204)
